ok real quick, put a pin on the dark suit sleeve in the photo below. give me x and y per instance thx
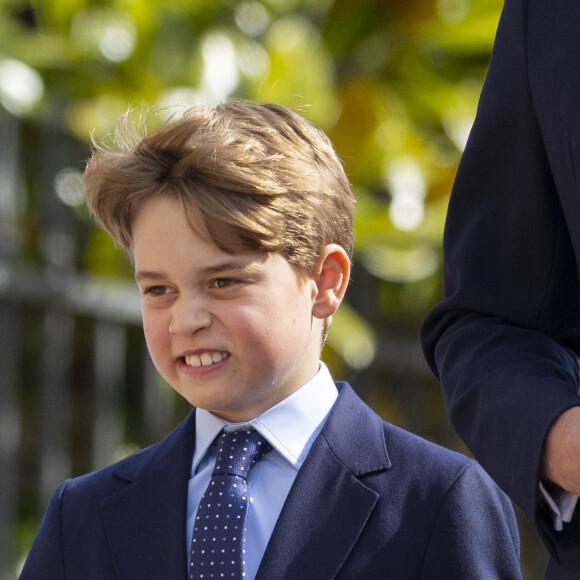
(504, 341)
(45, 559)
(475, 534)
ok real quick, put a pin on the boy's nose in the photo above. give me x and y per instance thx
(189, 316)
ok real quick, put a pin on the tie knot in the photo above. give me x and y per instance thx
(238, 451)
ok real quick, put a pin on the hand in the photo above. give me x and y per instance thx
(562, 451)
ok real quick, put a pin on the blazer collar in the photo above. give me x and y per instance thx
(329, 503)
(146, 520)
(356, 434)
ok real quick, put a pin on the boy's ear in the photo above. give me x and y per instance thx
(331, 279)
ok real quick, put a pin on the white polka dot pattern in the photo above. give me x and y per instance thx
(217, 546)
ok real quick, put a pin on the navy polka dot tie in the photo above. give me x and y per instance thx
(217, 546)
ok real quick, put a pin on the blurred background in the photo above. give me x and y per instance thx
(394, 83)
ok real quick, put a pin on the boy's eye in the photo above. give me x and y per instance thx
(157, 290)
(224, 282)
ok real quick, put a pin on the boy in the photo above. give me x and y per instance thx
(239, 222)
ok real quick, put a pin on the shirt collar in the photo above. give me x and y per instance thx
(290, 426)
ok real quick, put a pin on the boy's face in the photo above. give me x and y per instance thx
(234, 334)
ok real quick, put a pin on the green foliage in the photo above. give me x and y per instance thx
(394, 83)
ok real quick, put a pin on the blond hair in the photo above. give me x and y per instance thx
(262, 177)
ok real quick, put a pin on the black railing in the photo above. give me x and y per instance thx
(77, 391)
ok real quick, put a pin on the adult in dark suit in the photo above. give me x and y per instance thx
(505, 340)
(404, 509)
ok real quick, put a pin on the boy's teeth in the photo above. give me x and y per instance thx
(205, 359)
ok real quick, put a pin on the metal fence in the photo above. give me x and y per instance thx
(77, 388)
(71, 348)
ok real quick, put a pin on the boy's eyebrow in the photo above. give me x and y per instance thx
(146, 275)
(232, 265)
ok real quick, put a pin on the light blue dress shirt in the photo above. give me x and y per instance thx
(290, 427)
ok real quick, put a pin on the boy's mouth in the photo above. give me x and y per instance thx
(205, 359)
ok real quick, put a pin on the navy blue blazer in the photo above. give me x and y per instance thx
(371, 501)
(505, 340)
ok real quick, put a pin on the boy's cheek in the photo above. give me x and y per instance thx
(156, 334)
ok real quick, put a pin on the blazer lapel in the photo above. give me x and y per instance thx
(328, 505)
(146, 520)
